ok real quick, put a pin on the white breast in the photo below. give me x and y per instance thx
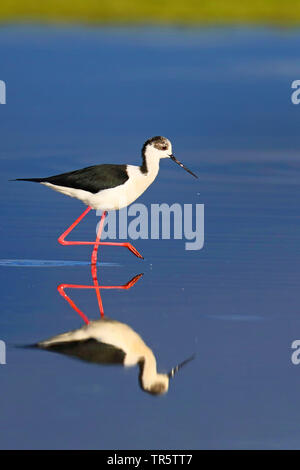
(123, 195)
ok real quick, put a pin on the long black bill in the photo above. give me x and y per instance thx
(176, 369)
(182, 165)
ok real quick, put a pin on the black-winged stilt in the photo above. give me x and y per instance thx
(110, 187)
(107, 341)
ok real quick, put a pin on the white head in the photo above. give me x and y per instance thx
(154, 383)
(156, 148)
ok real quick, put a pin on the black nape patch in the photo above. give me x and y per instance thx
(159, 142)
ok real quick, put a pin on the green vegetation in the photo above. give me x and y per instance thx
(153, 11)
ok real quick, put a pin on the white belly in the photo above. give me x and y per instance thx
(114, 198)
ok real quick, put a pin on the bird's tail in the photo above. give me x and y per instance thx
(34, 180)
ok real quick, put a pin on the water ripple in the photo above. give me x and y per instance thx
(45, 263)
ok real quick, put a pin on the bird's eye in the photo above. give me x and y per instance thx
(164, 147)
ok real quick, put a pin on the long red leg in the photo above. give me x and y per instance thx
(61, 289)
(127, 245)
(62, 240)
(94, 274)
(96, 246)
(128, 284)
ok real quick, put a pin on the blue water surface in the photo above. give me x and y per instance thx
(78, 97)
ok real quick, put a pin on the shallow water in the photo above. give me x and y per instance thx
(77, 97)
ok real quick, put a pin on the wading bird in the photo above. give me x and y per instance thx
(107, 341)
(110, 187)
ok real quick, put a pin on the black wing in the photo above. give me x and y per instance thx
(93, 178)
(89, 350)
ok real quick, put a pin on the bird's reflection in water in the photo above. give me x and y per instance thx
(107, 341)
